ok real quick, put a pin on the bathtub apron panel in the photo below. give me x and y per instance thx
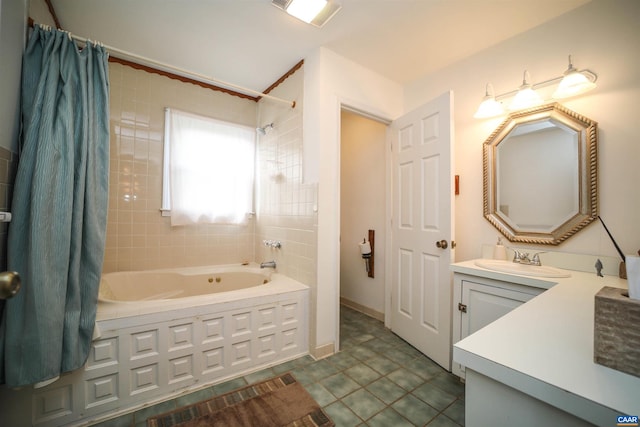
(139, 360)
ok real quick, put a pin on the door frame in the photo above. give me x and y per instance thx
(370, 113)
(374, 114)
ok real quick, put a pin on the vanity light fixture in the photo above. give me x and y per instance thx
(526, 96)
(571, 83)
(489, 107)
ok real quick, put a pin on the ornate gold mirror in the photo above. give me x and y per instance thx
(540, 175)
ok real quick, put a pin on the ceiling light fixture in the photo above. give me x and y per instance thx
(306, 10)
(314, 12)
(572, 82)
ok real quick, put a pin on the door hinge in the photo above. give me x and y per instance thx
(462, 307)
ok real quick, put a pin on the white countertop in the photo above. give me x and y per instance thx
(544, 348)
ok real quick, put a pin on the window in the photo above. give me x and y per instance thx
(208, 170)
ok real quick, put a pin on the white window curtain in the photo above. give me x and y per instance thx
(208, 169)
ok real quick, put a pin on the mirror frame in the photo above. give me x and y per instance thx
(587, 174)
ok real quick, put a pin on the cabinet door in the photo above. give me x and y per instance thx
(481, 304)
(487, 303)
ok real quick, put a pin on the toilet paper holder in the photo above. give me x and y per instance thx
(367, 252)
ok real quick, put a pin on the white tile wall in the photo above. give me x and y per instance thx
(286, 205)
(139, 238)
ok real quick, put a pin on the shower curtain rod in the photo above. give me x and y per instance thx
(170, 68)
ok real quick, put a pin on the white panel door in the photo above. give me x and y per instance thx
(422, 228)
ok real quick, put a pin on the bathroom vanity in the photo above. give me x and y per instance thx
(526, 350)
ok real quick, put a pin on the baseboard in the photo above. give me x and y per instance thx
(323, 351)
(362, 309)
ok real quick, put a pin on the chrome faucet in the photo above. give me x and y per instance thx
(523, 258)
(268, 264)
(536, 259)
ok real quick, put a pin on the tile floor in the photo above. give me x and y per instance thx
(376, 380)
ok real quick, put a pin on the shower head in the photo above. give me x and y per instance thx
(264, 129)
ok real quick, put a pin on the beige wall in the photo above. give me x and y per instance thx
(138, 237)
(362, 207)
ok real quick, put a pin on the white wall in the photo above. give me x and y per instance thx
(362, 208)
(331, 81)
(602, 36)
(13, 21)
(39, 12)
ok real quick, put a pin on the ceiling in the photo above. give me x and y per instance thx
(251, 43)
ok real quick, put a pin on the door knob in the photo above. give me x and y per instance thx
(442, 244)
(9, 284)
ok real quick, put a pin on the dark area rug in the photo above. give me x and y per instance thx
(277, 402)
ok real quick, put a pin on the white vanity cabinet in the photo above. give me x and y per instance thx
(478, 301)
(534, 365)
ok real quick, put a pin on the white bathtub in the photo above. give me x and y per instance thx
(158, 337)
(136, 286)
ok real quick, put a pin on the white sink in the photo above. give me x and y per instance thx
(522, 269)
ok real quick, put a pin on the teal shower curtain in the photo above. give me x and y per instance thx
(57, 234)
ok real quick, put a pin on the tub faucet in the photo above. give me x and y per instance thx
(268, 264)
